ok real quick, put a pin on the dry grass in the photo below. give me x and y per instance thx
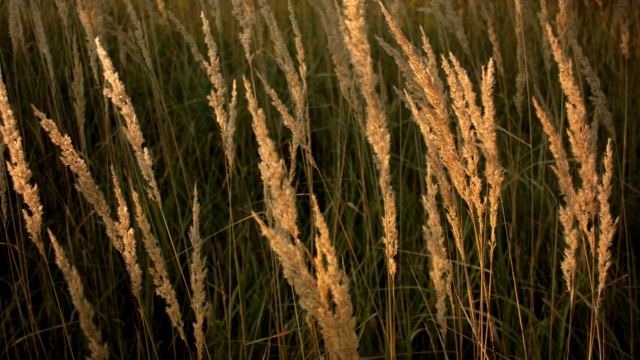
(158, 269)
(99, 350)
(19, 170)
(198, 273)
(337, 326)
(118, 95)
(449, 180)
(375, 127)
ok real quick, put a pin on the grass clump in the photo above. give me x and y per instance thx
(391, 179)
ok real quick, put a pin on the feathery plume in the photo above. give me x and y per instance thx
(486, 130)
(337, 326)
(139, 35)
(16, 29)
(4, 186)
(217, 13)
(128, 240)
(564, 22)
(77, 93)
(198, 274)
(454, 24)
(339, 329)
(118, 95)
(436, 165)
(601, 114)
(580, 138)
(226, 119)
(487, 10)
(272, 170)
(191, 42)
(99, 350)
(434, 121)
(246, 20)
(295, 80)
(543, 15)
(90, 15)
(565, 213)
(607, 225)
(441, 270)
(333, 24)
(63, 12)
(41, 40)
(465, 109)
(19, 170)
(376, 129)
(84, 182)
(158, 270)
(569, 264)
(161, 7)
(622, 16)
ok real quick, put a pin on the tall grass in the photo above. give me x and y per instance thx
(454, 179)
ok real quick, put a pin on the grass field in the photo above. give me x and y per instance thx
(309, 179)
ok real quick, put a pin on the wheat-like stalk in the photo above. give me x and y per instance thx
(158, 270)
(139, 37)
(521, 78)
(99, 349)
(601, 114)
(216, 10)
(565, 213)
(198, 274)
(42, 42)
(162, 7)
(486, 129)
(441, 268)
(191, 42)
(296, 82)
(337, 326)
(543, 18)
(225, 118)
(433, 120)
(280, 191)
(452, 22)
(19, 170)
(84, 181)
(333, 24)
(4, 186)
(246, 20)
(302, 66)
(376, 121)
(119, 232)
(476, 131)
(90, 16)
(16, 29)
(128, 240)
(622, 18)
(581, 140)
(564, 22)
(297, 128)
(437, 168)
(63, 12)
(118, 95)
(77, 92)
(487, 11)
(607, 225)
(467, 113)
(403, 65)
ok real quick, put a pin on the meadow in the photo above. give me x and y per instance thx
(308, 179)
